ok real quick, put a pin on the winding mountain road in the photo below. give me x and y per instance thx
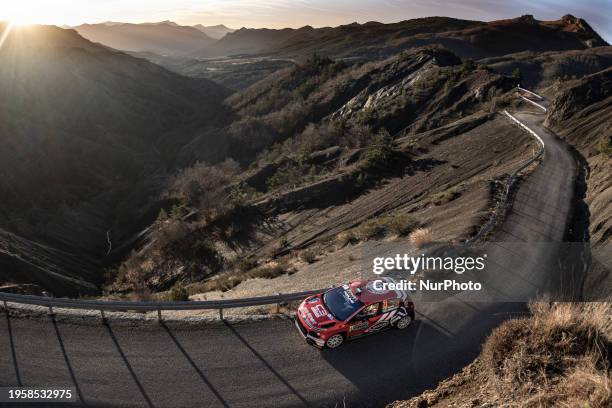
(267, 364)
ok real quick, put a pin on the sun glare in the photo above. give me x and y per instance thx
(24, 12)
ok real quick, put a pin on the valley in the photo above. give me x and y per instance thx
(197, 168)
(166, 187)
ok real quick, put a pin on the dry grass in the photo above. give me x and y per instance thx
(558, 357)
(421, 237)
(308, 256)
(371, 229)
(227, 281)
(446, 196)
(346, 238)
(374, 228)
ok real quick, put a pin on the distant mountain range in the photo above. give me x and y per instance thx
(471, 39)
(165, 38)
(217, 32)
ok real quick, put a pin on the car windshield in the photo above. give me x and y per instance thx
(341, 302)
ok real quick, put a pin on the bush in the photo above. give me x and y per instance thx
(205, 187)
(604, 146)
(179, 293)
(379, 153)
(269, 271)
(246, 264)
(346, 238)
(308, 256)
(467, 67)
(446, 196)
(401, 224)
(283, 243)
(205, 250)
(421, 237)
(168, 233)
(373, 228)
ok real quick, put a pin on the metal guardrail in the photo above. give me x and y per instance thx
(530, 93)
(510, 181)
(124, 306)
(220, 305)
(534, 103)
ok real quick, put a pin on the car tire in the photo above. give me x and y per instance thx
(334, 341)
(404, 322)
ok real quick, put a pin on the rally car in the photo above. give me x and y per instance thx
(356, 309)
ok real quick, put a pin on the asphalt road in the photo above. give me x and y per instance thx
(267, 364)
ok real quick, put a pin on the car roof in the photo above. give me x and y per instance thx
(364, 290)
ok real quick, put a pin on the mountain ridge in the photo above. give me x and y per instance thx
(86, 134)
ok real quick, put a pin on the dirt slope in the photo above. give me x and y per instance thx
(582, 114)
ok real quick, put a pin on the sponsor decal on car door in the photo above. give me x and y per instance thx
(364, 320)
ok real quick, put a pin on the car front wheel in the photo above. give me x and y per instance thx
(334, 341)
(404, 322)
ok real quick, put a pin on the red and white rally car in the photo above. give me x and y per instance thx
(352, 310)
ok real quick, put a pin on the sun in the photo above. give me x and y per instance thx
(24, 12)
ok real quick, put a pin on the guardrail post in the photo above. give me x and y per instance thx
(103, 316)
(159, 315)
(5, 306)
(51, 312)
(278, 304)
(220, 314)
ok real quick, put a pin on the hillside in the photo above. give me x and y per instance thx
(332, 41)
(85, 134)
(468, 39)
(216, 31)
(581, 113)
(331, 151)
(543, 69)
(165, 38)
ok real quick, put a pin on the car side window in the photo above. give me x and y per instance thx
(390, 304)
(371, 310)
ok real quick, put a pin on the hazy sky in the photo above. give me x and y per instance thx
(297, 13)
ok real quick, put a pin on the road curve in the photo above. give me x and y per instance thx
(267, 364)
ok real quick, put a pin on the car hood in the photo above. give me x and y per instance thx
(314, 313)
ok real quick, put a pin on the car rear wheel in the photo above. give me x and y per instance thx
(334, 341)
(404, 322)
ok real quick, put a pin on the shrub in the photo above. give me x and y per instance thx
(134, 273)
(446, 196)
(604, 146)
(379, 153)
(204, 187)
(168, 233)
(269, 271)
(308, 256)
(179, 293)
(421, 237)
(467, 67)
(283, 243)
(205, 250)
(517, 74)
(401, 224)
(345, 238)
(373, 228)
(246, 264)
